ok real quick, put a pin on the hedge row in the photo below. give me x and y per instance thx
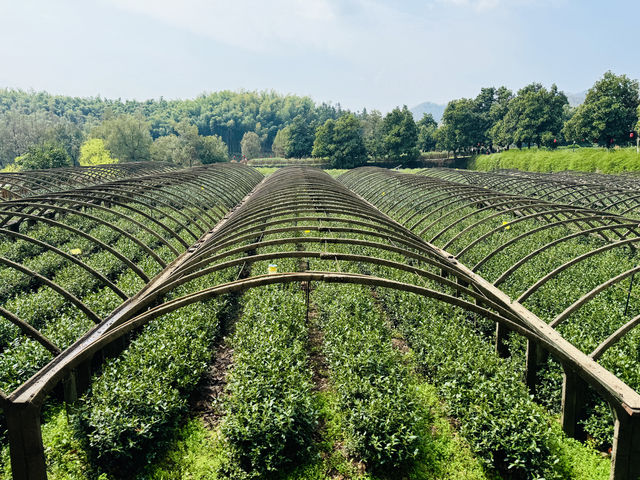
(271, 414)
(485, 394)
(380, 410)
(140, 395)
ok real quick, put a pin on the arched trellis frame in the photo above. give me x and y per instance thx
(472, 216)
(205, 192)
(14, 185)
(548, 216)
(272, 218)
(616, 194)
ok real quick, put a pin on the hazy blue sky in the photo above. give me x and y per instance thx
(361, 53)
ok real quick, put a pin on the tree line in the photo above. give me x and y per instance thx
(39, 130)
(498, 119)
(43, 130)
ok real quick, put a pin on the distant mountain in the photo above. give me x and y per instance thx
(434, 109)
(576, 99)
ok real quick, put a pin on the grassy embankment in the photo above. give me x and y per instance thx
(542, 160)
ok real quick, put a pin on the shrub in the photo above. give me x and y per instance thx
(271, 414)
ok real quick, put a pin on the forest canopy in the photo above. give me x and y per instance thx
(36, 118)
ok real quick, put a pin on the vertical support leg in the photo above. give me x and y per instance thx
(70, 388)
(82, 376)
(574, 390)
(625, 456)
(531, 368)
(502, 334)
(307, 290)
(25, 442)
(536, 356)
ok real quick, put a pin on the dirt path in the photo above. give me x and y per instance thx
(208, 397)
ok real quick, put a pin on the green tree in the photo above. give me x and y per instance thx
(94, 152)
(608, 114)
(188, 147)
(372, 133)
(189, 139)
(462, 126)
(491, 106)
(549, 140)
(400, 135)
(349, 150)
(19, 131)
(127, 137)
(212, 149)
(341, 141)
(323, 144)
(533, 112)
(301, 137)
(427, 128)
(250, 145)
(69, 136)
(170, 149)
(47, 155)
(280, 144)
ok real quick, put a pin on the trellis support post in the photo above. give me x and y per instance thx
(574, 390)
(625, 456)
(502, 334)
(536, 356)
(25, 441)
(70, 388)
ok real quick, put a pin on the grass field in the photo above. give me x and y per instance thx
(542, 160)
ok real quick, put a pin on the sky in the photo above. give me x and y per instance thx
(359, 53)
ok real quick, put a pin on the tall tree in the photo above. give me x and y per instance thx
(68, 135)
(608, 114)
(462, 126)
(301, 137)
(188, 138)
(127, 137)
(372, 133)
(280, 144)
(427, 128)
(400, 135)
(19, 131)
(189, 147)
(491, 105)
(250, 145)
(349, 150)
(212, 149)
(170, 149)
(323, 143)
(533, 112)
(341, 141)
